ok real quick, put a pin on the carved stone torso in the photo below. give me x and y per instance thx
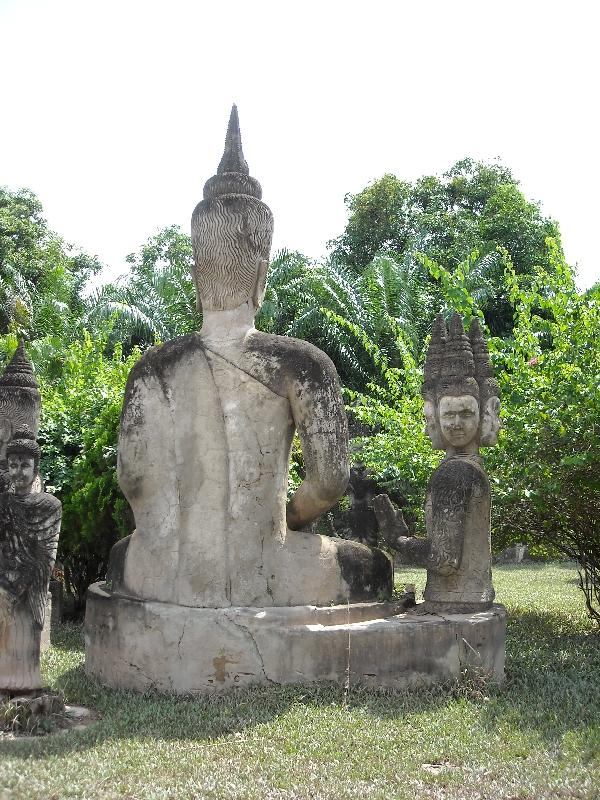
(457, 515)
(203, 456)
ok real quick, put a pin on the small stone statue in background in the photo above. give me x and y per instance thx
(29, 529)
(359, 522)
(461, 408)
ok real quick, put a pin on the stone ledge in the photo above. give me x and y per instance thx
(148, 645)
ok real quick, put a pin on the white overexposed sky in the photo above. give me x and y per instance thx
(114, 111)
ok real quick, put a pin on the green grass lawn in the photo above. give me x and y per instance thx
(538, 736)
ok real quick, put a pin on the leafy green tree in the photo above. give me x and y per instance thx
(287, 294)
(545, 469)
(473, 206)
(81, 406)
(343, 314)
(41, 278)
(156, 301)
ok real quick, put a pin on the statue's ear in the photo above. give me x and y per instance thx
(260, 284)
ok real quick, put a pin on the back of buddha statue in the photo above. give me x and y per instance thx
(206, 432)
(203, 455)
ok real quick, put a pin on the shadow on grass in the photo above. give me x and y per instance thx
(127, 715)
(552, 684)
(551, 688)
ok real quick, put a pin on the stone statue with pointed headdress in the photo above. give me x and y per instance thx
(461, 404)
(29, 529)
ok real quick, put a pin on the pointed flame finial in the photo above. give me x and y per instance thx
(233, 156)
(233, 175)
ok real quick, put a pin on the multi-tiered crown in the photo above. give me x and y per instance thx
(458, 364)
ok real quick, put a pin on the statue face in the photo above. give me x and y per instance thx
(459, 419)
(21, 472)
(431, 425)
(491, 423)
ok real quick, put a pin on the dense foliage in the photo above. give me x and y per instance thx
(41, 278)
(473, 206)
(545, 470)
(156, 300)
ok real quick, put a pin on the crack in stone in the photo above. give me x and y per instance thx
(246, 630)
(181, 637)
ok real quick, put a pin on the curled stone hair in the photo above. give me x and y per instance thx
(23, 442)
(231, 230)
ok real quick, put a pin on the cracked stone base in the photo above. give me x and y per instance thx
(141, 645)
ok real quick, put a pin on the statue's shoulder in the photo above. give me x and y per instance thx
(157, 359)
(285, 358)
(42, 510)
(43, 500)
(459, 475)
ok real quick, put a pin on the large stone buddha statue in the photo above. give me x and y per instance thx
(206, 431)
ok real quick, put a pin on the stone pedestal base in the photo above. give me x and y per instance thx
(147, 645)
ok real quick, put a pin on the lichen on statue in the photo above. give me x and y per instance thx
(461, 407)
(206, 432)
(29, 529)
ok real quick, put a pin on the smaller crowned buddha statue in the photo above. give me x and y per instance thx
(461, 405)
(29, 529)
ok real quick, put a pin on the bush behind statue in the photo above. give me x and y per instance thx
(545, 471)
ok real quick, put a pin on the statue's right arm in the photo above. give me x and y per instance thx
(318, 411)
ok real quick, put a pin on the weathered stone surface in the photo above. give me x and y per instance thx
(358, 522)
(29, 527)
(515, 554)
(45, 639)
(220, 584)
(141, 645)
(31, 713)
(390, 520)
